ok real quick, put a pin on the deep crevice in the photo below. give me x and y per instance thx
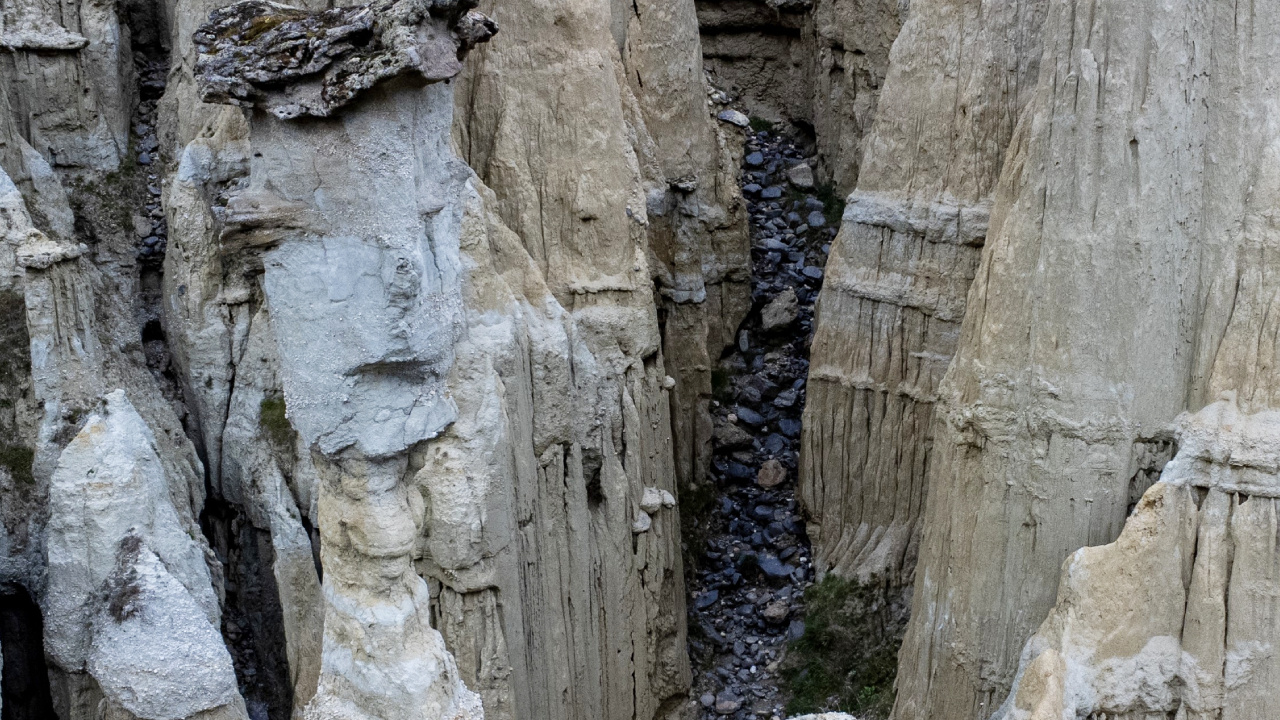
(24, 682)
(252, 615)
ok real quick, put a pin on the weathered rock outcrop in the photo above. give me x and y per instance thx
(1129, 217)
(130, 600)
(626, 169)
(68, 284)
(1177, 616)
(894, 296)
(443, 411)
(817, 63)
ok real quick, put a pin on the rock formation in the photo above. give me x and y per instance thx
(627, 169)
(1175, 617)
(380, 384)
(491, 429)
(819, 64)
(1127, 218)
(357, 361)
(889, 316)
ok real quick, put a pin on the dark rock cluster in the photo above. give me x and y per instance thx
(149, 224)
(747, 590)
(295, 62)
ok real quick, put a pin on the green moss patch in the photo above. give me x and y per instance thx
(759, 124)
(847, 659)
(273, 418)
(18, 460)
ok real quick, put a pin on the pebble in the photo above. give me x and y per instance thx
(733, 117)
(771, 474)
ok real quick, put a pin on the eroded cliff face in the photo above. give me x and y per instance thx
(1176, 617)
(385, 385)
(590, 121)
(816, 64)
(1128, 209)
(889, 316)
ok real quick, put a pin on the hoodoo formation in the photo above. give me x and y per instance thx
(639, 360)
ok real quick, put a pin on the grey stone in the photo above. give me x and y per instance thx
(781, 311)
(801, 176)
(733, 117)
(348, 51)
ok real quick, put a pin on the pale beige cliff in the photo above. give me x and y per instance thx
(1177, 616)
(465, 448)
(543, 404)
(889, 315)
(1128, 217)
(590, 121)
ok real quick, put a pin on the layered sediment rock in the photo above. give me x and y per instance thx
(890, 312)
(626, 169)
(1176, 617)
(445, 412)
(1127, 218)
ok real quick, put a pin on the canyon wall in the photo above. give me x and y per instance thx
(816, 64)
(365, 397)
(889, 316)
(1121, 284)
(590, 121)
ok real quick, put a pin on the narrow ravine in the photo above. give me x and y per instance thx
(747, 587)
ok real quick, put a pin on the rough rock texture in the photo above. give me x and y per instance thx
(500, 412)
(69, 290)
(818, 64)
(1177, 616)
(67, 75)
(1122, 283)
(292, 63)
(889, 316)
(108, 491)
(626, 169)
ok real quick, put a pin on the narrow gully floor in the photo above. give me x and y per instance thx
(747, 588)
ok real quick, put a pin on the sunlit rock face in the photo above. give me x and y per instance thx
(472, 452)
(1119, 286)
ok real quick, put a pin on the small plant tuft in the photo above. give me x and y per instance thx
(18, 459)
(759, 124)
(847, 658)
(832, 203)
(273, 418)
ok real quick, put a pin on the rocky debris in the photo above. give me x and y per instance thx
(296, 62)
(751, 575)
(734, 117)
(149, 223)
